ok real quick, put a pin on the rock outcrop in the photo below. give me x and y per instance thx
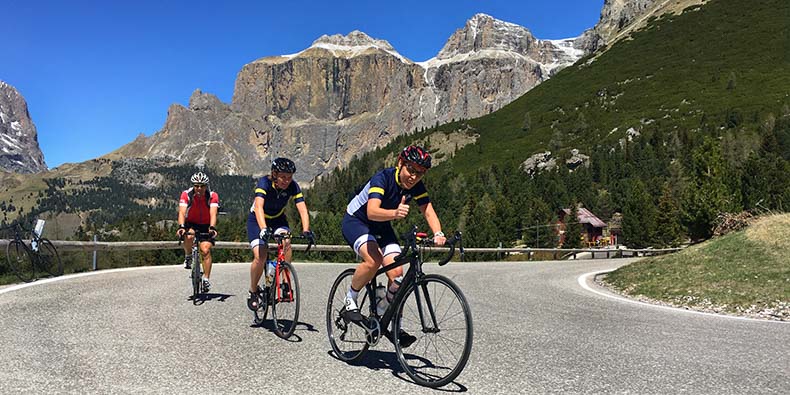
(19, 149)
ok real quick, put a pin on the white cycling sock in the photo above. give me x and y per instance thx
(352, 294)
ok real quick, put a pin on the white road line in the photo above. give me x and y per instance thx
(582, 280)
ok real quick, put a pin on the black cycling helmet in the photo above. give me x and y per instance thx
(416, 154)
(283, 165)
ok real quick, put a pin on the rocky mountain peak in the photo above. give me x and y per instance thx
(483, 32)
(19, 149)
(352, 44)
(204, 101)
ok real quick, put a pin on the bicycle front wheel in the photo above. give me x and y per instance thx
(48, 258)
(197, 276)
(436, 312)
(20, 261)
(348, 340)
(285, 301)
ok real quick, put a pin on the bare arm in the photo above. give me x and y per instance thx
(301, 207)
(182, 215)
(213, 215)
(258, 209)
(376, 213)
(433, 223)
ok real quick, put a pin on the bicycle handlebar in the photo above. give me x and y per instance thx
(279, 237)
(413, 238)
(200, 236)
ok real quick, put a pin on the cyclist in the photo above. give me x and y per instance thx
(197, 211)
(267, 217)
(384, 198)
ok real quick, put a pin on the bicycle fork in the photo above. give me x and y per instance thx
(427, 327)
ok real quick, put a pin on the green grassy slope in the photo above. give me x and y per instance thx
(746, 272)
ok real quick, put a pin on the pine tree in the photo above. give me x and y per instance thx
(669, 232)
(639, 216)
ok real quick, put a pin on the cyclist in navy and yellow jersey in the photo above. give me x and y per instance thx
(267, 217)
(384, 198)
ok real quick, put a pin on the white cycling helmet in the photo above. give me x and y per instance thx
(199, 178)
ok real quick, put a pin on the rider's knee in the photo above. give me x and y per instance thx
(371, 264)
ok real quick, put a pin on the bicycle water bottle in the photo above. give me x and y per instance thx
(270, 266)
(381, 299)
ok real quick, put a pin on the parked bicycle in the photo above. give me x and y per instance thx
(196, 275)
(280, 290)
(26, 259)
(428, 306)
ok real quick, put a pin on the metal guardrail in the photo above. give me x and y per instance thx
(90, 246)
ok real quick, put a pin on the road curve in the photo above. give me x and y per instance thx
(537, 330)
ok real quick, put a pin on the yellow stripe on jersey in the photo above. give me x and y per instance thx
(424, 195)
(267, 216)
(259, 190)
(376, 190)
(298, 195)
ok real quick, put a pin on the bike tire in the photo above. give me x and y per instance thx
(259, 315)
(285, 300)
(440, 353)
(348, 340)
(49, 259)
(197, 276)
(20, 261)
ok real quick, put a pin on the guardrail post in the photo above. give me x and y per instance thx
(499, 253)
(95, 239)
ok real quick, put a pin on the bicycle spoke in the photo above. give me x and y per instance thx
(443, 331)
(348, 340)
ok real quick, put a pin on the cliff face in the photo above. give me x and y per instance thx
(345, 95)
(19, 149)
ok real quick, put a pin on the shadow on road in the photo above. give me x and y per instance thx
(295, 338)
(202, 298)
(381, 360)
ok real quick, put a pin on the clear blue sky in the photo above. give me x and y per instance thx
(95, 74)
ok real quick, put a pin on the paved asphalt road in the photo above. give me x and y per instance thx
(536, 331)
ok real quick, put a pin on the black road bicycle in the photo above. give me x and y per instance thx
(283, 292)
(196, 276)
(428, 306)
(25, 259)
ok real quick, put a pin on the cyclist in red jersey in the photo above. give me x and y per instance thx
(197, 210)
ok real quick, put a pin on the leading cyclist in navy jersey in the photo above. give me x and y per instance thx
(384, 198)
(267, 217)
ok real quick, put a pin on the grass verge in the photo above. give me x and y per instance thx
(742, 273)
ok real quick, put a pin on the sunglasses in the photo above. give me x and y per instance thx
(199, 185)
(414, 171)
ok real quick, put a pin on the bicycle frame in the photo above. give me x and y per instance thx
(34, 253)
(411, 256)
(280, 239)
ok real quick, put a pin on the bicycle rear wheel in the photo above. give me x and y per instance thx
(20, 261)
(436, 312)
(348, 340)
(259, 315)
(48, 258)
(285, 301)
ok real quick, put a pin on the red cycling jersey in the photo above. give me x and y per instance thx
(198, 211)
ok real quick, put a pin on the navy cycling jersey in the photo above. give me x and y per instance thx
(385, 185)
(275, 200)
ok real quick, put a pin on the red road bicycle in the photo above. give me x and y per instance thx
(281, 290)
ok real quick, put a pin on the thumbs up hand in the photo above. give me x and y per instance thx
(403, 209)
